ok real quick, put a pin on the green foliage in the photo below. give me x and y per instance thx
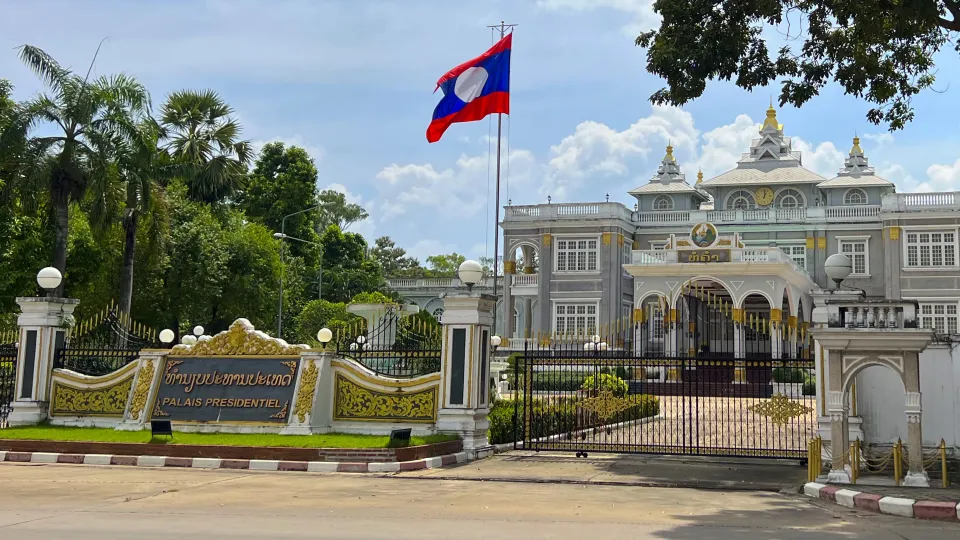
(444, 265)
(335, 210)
(559, 416)
(393, 260)
(789, 375)
(371, 298)
(604, 382)
(558, 381)
(810, 387)
(883, 54)
(318, 314)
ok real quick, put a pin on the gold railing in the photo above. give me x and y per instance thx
(860, 460)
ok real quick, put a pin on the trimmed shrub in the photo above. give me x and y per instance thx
(810, 387)
(786, 375)
(593, 385)
(558, 381)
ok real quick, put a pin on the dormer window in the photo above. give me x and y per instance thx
(741, 200)
(790, 198)
(855, 196)
(663, 202)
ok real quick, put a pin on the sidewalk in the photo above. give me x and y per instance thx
(636, 470)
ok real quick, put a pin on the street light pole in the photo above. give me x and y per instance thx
(283, 265)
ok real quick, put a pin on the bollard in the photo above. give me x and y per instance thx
(854, 461)
(943, 463)
(897, 463)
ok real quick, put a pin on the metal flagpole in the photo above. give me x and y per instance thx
(496, 222)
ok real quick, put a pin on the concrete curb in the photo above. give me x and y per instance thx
(252, 464)
(894, 506)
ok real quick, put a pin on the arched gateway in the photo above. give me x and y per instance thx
(714, 359)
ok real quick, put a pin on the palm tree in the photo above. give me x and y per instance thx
(201, 138)
(89, 117)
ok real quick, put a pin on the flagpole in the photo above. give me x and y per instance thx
(496, 222)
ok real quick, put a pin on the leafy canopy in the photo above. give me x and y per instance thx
(881, 52)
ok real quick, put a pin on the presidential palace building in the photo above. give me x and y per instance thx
(747, 246)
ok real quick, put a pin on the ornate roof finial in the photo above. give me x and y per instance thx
(771, 120)
(856, 150)
(669, 156)
(699, 176)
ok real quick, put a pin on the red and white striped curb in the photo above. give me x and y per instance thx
(894, 506)
(245, 464)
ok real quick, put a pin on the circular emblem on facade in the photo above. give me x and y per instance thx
(703, 235)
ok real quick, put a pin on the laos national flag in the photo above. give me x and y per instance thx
(474, 89)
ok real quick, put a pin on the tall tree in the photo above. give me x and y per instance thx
(88, 117)
(347, 270)
(335, 210)
(445, 265)
(203, 139)
(283, 182)
(881, 52)
(394, 261)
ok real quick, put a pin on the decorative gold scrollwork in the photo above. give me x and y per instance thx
(242, 339)
(354, 402)
(109, 401)
(308, 386)
(606, 404)
(779, 409)
(144, 379)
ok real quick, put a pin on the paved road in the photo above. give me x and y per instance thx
(119, 503)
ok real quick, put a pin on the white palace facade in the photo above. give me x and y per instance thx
(752, 240)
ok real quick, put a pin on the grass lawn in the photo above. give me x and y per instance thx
(329, 440)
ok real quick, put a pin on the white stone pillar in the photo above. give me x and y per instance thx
(527, 317)
(321, 417)
(43, 323)
(465, 369)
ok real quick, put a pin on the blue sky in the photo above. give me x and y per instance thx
(351, 81)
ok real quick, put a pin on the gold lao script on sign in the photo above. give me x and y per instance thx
(704, 256)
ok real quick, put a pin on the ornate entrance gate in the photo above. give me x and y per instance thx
(8, 379)
(701, 379)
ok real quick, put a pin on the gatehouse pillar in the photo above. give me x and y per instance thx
(916, 475)
(838, 411)
(465, 367)
(44, 323)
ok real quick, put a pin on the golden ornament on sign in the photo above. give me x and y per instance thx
(144, 380)
(779, 409)
(763, 196)
(308, 386)
(109, 401)
(355, 402)
(242, 339)
(606, 404)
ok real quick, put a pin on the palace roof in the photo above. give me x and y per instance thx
(856, 172)
(669, 179)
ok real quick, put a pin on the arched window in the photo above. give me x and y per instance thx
(663, 202)
(438, 315)
(855, 196)
(741, 200)
(790, 198)
(516, 322)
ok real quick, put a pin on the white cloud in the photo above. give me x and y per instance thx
(644, 18)
(942, 178)
(824, 159)
(596, 151)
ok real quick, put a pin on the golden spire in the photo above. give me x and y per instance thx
(669, 156)
(699, 176)
(771, 120)
(856, 150)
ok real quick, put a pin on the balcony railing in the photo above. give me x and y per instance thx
(526, 279)
(920, 202)
(872, 314)
(577, 211)
(762, 254)
(438, 283)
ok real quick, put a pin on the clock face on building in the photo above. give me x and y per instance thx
(764, 196)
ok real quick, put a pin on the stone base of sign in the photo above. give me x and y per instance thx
(894, 506)
(249, 464)
(27, 413)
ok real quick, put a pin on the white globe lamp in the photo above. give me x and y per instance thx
(837, 267)
(49, 279)
(198, 331)
(324, 336)
(470, 273)
(188, 340)
(166, 336)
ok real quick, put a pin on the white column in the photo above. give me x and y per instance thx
(465, 369)
(43, 323)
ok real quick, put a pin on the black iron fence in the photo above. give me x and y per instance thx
(397, 346)
(94, 361)
(8, 380)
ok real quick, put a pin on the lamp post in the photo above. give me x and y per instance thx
(838, 267)
(49, 279)
(324, 335)
(470, 273)
(281, 236)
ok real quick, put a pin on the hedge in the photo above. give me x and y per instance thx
(560, 416)
(787, 375)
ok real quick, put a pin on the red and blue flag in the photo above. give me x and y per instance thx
(474, 89)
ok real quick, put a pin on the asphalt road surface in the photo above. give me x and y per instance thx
(120, 503)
